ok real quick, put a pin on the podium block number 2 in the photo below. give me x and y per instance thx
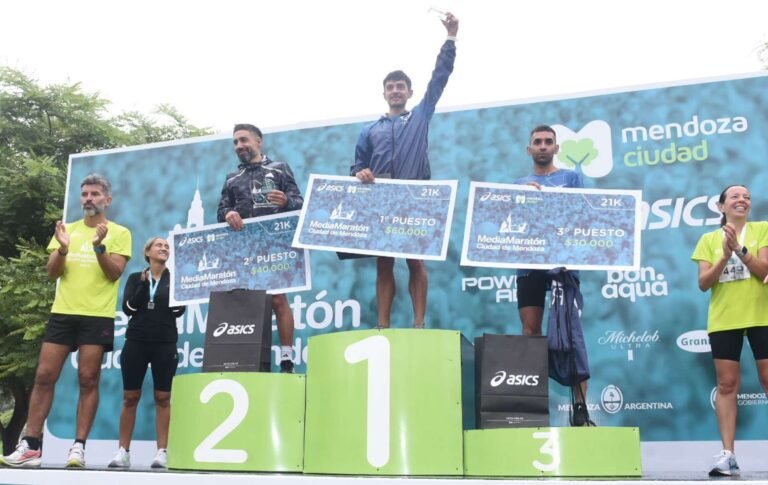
(376, 351)
(206, 451)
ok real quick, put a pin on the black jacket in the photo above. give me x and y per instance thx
(150, 325)
(245, 191)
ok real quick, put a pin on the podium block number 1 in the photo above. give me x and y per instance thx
(206, 451)
(376, 351)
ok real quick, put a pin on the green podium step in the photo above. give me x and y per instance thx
(387, 402)
(553, 452)
(237, 422)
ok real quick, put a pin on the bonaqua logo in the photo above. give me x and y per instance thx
(589, 151)
(635, 284)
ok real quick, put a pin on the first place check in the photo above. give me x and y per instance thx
(217, 258)
(518, 226)
(395, 218)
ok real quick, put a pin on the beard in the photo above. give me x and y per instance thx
(93, 209)
(246, 155)
(543, 160)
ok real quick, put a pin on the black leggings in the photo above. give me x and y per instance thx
(727, 344)
(137, 356)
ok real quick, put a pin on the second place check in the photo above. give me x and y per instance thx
(397, 218)
(216, 258)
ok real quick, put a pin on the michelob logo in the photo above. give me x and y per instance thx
(501, 377)
(232, 329)
(590, 148)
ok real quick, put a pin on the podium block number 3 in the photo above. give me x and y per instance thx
(205, 452)
(376, 351)
(550, 447)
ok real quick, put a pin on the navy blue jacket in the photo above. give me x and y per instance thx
(398, 145)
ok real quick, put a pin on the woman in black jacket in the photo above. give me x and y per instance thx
(150, 339)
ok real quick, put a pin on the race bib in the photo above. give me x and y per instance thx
(735, 270)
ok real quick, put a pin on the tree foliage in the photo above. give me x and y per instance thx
(40, 126)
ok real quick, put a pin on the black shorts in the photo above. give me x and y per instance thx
(77, 330)
(727, 344)
(532, 289)
(137, 355)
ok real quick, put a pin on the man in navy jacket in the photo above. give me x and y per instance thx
(396, 146)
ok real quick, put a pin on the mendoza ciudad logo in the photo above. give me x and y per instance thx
(589, 150)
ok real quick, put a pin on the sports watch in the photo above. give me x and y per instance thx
(100, 249)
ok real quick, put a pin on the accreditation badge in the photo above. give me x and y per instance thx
(735, 270)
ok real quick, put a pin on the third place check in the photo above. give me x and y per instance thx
(397, 218)
(515, 226)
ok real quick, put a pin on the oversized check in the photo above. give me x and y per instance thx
(398, 218)
(258, 257)
(519, 226)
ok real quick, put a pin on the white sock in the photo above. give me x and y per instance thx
(286, 351)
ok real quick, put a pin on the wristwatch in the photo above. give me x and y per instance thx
(100, 249)
(744, 250)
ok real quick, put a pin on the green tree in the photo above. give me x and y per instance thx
(40, 126)
(26, 294)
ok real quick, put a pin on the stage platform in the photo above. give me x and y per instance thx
(147, 476)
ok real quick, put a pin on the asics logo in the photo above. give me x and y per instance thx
(501, 377)
(330, 188)
(496, 197)
(232, 329)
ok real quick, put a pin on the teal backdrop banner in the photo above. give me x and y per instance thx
(679, 144)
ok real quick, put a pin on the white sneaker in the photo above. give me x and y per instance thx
(724, 465)
(76, 457)
(23, 457)
(161, 459)
(122, 459)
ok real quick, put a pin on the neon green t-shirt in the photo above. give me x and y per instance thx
(735, 304)
(83, 287)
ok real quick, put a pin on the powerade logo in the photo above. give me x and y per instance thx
(677, 150)
(232, 329)
(696, 341)
(589, 150)
(635, 284)
(324, 187)
(505, 287)
(501, 377)
(190, 240)
(612, 399)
